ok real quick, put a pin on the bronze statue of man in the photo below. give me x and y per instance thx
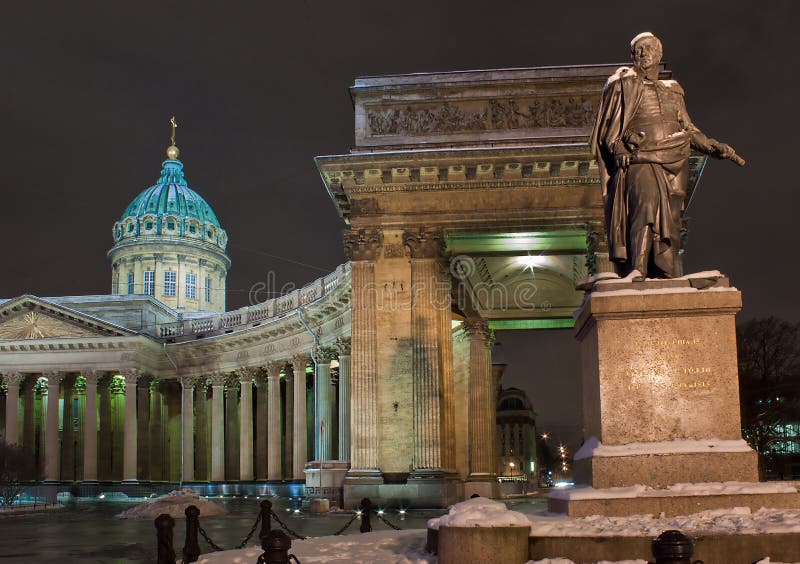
(642, 140)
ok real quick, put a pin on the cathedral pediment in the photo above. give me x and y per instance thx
(29, 317)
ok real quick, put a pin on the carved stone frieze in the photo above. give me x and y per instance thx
(362, 244)
(494, 114)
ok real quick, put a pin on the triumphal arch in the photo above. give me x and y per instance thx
(472, 203)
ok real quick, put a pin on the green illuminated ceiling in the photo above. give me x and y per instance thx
(543, 241)
(553, 323)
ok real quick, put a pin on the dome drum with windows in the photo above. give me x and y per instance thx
(169, 244)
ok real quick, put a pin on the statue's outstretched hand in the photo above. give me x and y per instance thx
(623, 161)
(725, 151)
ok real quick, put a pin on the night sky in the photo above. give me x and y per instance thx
(260, 88)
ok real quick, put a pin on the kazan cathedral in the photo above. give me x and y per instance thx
(470, 202)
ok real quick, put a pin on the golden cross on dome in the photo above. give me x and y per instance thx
(174, 127)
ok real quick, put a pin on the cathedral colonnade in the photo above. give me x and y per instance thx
(253, 424)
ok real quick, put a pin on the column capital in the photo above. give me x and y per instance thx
(246, 374)
(189, 382)
(274, 368)
(217, 378)
(260, 378)
(424, 243)
(362, 244)
(54, 378)
(477, 328)
(131, 376)
(13, 378)
(324, 355)
(92, 377)
(343, 346)
(299, 362)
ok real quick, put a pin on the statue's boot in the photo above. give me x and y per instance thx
(641, 254)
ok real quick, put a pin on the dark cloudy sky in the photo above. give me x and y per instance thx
(259, 88)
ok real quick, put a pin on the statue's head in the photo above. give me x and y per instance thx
(646, 51)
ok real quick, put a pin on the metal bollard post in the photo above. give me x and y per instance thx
(164, 526)
(266, 518)
(191, 548)
(366, 508)
(276, 545)
(673, 547)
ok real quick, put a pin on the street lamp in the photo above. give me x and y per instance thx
(511, 465)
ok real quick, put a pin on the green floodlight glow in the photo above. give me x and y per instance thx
(512, 324)
(541, 241)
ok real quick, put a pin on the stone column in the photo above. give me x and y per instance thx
(262, 426)
(362, 248)
(143, 428)
(300, 446)
(187, 423)
(157, 466)
(52, 464)
(322, 403)
(232, 427)
(425, 352)
(288, 425)
(13, 380)
(481, 403)
(343, 345)
(274, 420)
(90, 427)
(28, 385)
(201, 431)
(105, 437)
(130, 444)
(448, 406)
(246, 426)
(217, 427)
(67, 431)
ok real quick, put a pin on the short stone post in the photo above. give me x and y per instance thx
(366, 508)
(672, 547)
(276, 545)
(191, 548)
(164, 528)
(266, 518)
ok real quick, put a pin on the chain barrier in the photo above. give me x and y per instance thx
(250, 534)
(242, 544)
(286, 528)
(387, 522)
(211, 543)
(350, 522)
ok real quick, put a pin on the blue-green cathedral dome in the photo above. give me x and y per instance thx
(171, 195)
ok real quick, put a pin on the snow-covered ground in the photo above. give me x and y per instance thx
(386, 547)
(173, 504)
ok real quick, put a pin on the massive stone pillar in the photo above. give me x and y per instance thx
(130, 444)
(217, 427)
(300, 447)
(13, 380)
(52, 464)
(157, 466)
(246, 426)
(187, 423)
(322, 403)
(274, 420)
(448, 407)
(90, 427)
(343, 345)
(262, 426)
(426, 348)
(482, 410)
(362, 248)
